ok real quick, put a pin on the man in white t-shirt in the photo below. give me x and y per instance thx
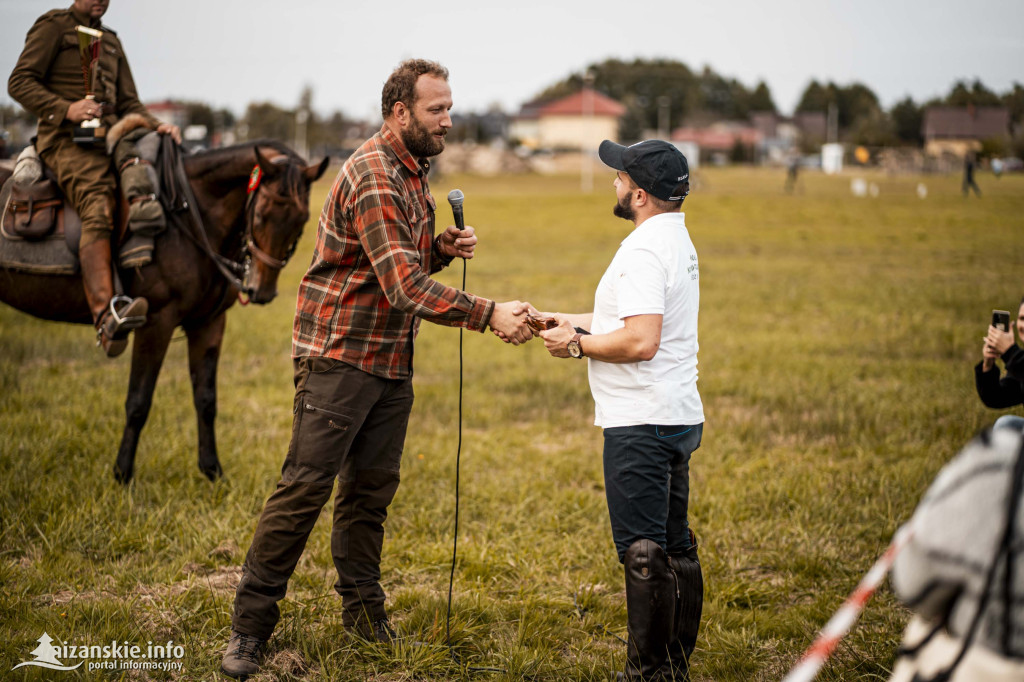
(641, 345)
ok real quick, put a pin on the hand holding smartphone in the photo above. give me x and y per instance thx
(1001, 320)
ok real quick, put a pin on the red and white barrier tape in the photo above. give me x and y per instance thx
(843, 619)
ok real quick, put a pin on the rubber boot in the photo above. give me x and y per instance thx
(650, 611)
(689, 604)
(113, 316)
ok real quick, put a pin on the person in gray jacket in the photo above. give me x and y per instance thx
(962, 571)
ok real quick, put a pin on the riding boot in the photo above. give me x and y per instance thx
(689, 603)
(114, 316)
(650, 611)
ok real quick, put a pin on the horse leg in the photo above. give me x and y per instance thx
(203, 353)
(148, 351)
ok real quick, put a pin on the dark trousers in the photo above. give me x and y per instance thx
(348, 425)
(647, 482)
(969, 184)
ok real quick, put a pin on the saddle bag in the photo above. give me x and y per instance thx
(33, 211)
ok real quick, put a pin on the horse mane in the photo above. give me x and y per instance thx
(236, 161)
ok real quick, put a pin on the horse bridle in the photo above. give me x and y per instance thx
(250, 249)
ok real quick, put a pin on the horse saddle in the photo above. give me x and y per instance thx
(39, 230)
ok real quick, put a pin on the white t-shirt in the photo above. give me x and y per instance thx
(654, 272)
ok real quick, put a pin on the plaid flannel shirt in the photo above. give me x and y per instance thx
(369, 282)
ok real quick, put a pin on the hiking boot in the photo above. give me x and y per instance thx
(243, 655)
(379, 631)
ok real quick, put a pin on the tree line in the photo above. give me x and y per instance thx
(863, 120)
(647, 86)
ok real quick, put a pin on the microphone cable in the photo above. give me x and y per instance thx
(455, 538)
(458, 460)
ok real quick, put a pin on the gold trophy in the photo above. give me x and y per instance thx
(90, 132)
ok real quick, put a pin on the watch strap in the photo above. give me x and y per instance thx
(576, 341)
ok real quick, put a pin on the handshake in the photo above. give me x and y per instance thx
(517, 322)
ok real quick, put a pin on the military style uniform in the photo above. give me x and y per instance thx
(46, 81)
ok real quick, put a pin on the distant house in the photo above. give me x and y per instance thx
(958, 130)
(719, 141)
(813, 126)
(169, 112)
(579, 121)
(806, 125)
(781, 136)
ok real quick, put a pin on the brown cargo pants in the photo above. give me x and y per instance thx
(86, 177)
(348, 425)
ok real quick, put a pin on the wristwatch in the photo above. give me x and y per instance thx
(575, 349)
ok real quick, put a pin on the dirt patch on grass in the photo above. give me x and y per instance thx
(220, 579)
(286, 663)
(67, 596)
(225, 551)
(223, 579)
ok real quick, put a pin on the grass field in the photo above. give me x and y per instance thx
(838, 336)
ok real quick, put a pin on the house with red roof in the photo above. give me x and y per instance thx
(579, 121)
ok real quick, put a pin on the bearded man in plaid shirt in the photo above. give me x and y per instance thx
(359, 307)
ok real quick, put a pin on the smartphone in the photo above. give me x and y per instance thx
(1001, 319)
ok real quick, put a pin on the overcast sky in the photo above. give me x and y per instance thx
(231, 52)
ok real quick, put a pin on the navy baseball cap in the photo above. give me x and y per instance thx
(655, 165)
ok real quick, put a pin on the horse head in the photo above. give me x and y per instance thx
(277, 208)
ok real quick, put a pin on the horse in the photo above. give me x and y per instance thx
(251, 202)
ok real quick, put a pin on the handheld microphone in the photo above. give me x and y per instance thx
(455, 198)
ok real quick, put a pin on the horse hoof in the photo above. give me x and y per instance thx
(212, 473)
(124, 478)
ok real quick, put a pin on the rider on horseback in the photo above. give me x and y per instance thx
(47, 81)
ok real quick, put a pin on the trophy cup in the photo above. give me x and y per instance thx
(89, 132)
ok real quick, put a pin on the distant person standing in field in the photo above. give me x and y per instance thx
(970, 165)
(792, 170)
(641, 345)
(1006, 391)
(997, 168)
(962, 571)
(359, 308)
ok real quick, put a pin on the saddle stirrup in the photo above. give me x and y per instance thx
(124, 323)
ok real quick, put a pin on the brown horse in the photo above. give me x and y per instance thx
(196, 275)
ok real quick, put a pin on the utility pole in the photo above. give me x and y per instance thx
(832, 134)
(664, 102)
(587, 167)
(301, 116)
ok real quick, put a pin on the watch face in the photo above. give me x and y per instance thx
(575, 350)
